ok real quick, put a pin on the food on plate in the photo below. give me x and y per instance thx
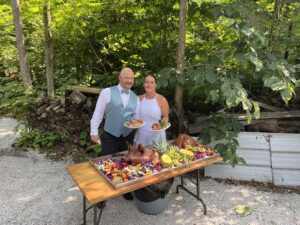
(184, 140)
(140, 154)
(156, 126)
(162, 124)
(134, 123)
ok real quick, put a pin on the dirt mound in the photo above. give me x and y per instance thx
(68, 117)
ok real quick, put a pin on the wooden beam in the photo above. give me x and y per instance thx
(87, 90)
(270, 117)
(269, 107)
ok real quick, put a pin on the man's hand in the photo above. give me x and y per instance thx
(95, 139)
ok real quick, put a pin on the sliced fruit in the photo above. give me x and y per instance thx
(166, 161)
(186, 152)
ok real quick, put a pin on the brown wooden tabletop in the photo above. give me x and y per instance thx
(97, 189)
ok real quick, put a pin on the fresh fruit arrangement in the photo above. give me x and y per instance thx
(175, 157)
(118, 172)
(161, 146)
(201, 151)
(168, 156)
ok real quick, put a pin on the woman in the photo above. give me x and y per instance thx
(153, 107)
(152, 199)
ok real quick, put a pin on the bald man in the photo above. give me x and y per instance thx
(117, 104)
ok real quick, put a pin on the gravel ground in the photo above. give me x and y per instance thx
(36, 190)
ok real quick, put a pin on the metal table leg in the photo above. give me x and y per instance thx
(99, 206)
(197, 196)
(84, 210)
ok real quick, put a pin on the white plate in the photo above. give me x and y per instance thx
(166, 127)
(125, 124)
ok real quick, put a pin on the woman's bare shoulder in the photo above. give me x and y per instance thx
(161, 98)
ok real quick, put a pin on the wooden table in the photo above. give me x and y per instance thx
(96, 189)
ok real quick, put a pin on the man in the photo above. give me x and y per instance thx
(117, 104)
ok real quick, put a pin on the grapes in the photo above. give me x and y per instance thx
(175, 156)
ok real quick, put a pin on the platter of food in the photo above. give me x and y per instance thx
(120, 174)
(142, 162)
(160, 126)
(134, 123)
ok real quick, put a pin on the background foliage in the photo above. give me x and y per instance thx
(236, 51)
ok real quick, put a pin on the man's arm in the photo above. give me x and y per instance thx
(98, 114)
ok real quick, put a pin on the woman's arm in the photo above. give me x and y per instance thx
(164, 106)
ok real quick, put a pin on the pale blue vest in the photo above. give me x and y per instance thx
(116, 114)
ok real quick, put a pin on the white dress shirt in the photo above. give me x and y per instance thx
(102, 101)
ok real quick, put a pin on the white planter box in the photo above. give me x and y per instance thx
(270, 157)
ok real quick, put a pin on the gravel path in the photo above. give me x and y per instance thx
(36, 190)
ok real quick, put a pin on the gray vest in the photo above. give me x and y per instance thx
(116, 114)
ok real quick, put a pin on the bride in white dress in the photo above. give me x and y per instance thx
(153, 107)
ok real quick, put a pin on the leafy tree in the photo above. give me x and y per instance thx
(235, 51)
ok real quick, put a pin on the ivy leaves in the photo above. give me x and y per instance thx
(223, 128)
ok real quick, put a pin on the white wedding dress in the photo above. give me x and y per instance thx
(150, 112)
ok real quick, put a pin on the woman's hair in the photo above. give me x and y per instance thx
(151, 75)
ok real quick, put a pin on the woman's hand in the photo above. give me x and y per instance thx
(166, 119)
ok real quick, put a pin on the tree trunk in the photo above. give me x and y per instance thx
(24, 67)
(165, 33)
(286, 53)
(180, 63)
(275, 25)
(48, 49)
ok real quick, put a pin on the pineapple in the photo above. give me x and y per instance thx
(161, 146)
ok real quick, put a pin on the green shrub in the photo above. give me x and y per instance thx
(14, 100)
(225, 129)
(37, 139)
